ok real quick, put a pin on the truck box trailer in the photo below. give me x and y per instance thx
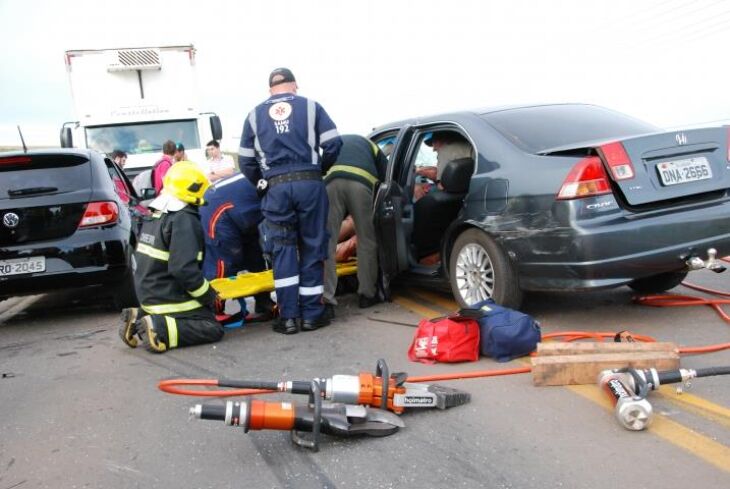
(135, 99)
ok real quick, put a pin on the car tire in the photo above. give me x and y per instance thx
(658, 283)
(480, 270)
(124, 293)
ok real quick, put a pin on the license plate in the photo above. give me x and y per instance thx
(683, 171)
(18, 266)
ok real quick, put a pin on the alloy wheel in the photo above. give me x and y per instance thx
(474, 274)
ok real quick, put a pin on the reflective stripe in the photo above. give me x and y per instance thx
(327, 135)
(355, 170)
(256, 142)
(316, 290)
(375, 148)
(200, 256)
(225, 181)
(200, 290)
(171, 308)
(171, 332)
(246, 152)
(153, 252)
(286, 282)
(311, 119)
(217, 215)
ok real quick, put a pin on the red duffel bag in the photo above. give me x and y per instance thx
(447, 339)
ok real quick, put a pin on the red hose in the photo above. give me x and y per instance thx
(173, 386)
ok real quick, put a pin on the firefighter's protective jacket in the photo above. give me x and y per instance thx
(168, 259)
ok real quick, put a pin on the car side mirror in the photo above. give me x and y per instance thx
(148, 193)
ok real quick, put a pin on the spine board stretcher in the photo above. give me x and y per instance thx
(249, 284)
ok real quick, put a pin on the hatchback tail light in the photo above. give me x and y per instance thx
(587, 178)
(98, 213)
(617, 160)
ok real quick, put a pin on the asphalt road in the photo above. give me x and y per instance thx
(80, 409)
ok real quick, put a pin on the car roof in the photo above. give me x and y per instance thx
(462, 114)
(50, 151)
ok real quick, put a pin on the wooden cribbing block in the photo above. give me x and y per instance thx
(575, 348)
(584, 368)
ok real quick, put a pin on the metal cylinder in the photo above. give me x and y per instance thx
(632, 412)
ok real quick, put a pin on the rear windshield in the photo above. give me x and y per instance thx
(536, 129)
(26, 176)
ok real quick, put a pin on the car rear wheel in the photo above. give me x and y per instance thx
(480, 270)
(658, 283)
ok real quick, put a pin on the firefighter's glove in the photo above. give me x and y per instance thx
(261, 188)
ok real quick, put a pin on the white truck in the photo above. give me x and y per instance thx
(135, 99)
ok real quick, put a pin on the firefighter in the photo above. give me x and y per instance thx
(176, 300)
(280, 149)
(351, 183)
(230, 218)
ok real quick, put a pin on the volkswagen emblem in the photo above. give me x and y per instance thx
(681, 138)
(11, 220)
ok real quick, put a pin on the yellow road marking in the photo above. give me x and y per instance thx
(416, 307)
(675, 433)
(697, 405)
(445, 302)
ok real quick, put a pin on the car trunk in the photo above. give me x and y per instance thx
(42, 197)
(671, 167)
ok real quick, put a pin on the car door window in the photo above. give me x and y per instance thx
(120, 185)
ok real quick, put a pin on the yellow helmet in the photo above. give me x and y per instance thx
(186, 181)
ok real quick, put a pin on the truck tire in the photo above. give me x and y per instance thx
(660, 282)
(480, 270)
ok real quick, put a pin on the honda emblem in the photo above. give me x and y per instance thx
(681, 138)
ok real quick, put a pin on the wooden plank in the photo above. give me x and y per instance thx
(584, 369)
(581, 348)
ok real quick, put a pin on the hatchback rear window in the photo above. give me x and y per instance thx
(536, 129)
(28, 175)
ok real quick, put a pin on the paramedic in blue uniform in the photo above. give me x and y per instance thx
(230, 221)
(280, 149)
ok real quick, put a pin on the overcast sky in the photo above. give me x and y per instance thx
(371, 62)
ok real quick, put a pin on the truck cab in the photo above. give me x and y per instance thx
(135, 99)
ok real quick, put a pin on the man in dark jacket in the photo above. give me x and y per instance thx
(168, 277)
(280, 149)
(230, 218)
(350, 185)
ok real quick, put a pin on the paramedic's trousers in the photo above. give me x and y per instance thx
(352, 197)
(294, 233)
(194, 327)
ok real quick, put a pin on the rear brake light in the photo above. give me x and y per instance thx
(15, 160)
(586, 179)
(98, 213)
(617, 160)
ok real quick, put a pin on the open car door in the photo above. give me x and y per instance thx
(390, 200)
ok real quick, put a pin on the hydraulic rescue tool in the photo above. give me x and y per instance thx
(366, 389)
(337, 419)
(628, 388)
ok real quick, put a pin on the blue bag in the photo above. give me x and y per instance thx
(505, 333)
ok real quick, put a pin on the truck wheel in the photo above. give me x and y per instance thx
(480, 270)
(658, 283)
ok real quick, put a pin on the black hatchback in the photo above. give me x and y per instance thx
(65, 222)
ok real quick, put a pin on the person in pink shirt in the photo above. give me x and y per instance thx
(163, 164)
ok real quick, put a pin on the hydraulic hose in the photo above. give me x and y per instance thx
(712, 371)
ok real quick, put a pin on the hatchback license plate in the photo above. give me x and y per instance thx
(683, 171)
(18, 266)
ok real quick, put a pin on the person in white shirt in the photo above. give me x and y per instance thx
(219, 165)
